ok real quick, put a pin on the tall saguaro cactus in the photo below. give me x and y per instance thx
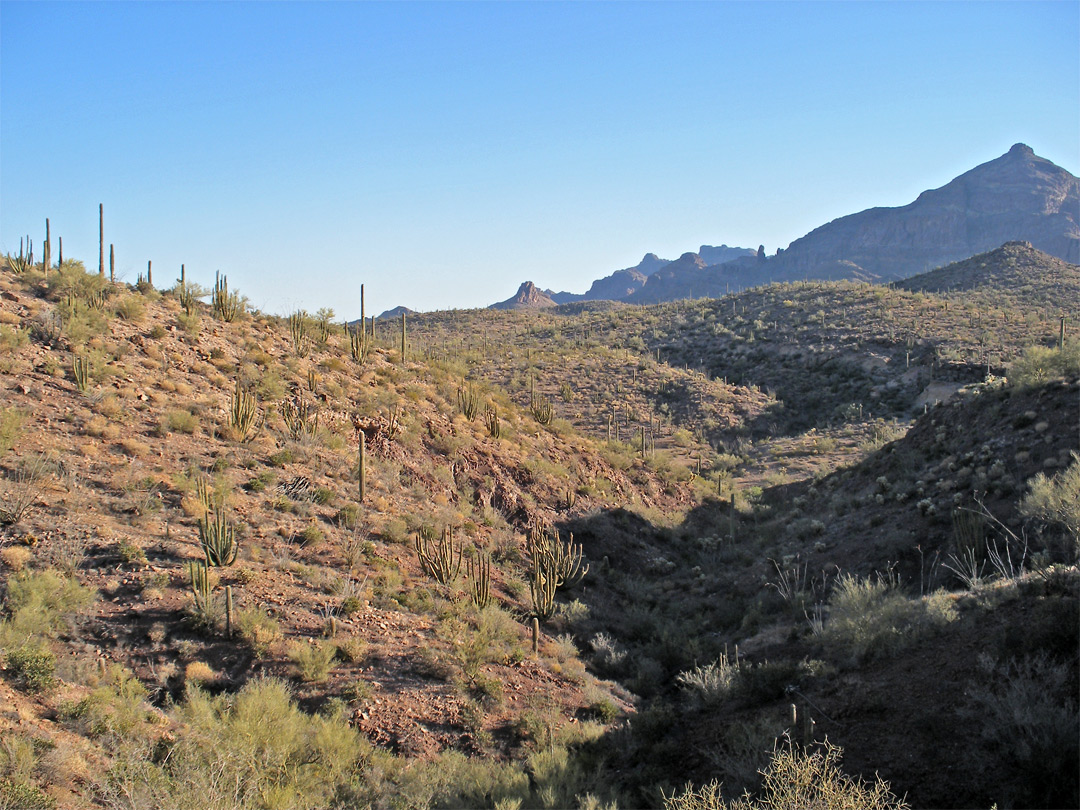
(112, 263)
(404, 344)
(362, 466)
(46, 256)
(101, 241)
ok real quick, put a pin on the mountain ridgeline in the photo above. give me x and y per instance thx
(1018, 197)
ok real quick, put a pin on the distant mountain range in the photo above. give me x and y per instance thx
(1016, 197)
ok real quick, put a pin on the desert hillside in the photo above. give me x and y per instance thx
(254, 561)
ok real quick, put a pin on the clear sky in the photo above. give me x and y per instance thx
(443, 153)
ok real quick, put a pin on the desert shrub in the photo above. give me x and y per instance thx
(16, 557)
(1056, 501)
(22, 796)
(254, 749)
(39, 601)
(484, 635)
(869, 617)
(1025, 715)
(11, 422)
(117, 707)
(182, 421)
(257, 628)
(311, 661)
(795, 779)
(20, 490)
(311, 536)
(1039, 364)
(131, 308)
(711, 684)
(452, 779)
(32, 666)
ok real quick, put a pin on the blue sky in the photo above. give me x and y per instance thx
(443, 153)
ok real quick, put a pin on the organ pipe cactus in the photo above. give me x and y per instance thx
(441, 560)
(218, 538)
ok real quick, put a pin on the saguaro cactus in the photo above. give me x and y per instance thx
(362, 465)
(101, 241)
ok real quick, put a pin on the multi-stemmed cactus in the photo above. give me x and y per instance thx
(478, 570)
(226, 305)
(442, 560)
(218, 538)
(562, 559)
(301, 418)
(542, 409)
(358, 343)
(298, 323)
(468, 401)
(80, 369)
(492, 421)
(243, 412)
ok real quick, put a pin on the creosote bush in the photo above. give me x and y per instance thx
(796, 779)
(870, 617)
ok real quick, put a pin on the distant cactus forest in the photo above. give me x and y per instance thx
(810, 544)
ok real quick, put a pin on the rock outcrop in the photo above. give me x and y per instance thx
(527, 297)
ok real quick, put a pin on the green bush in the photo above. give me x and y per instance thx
(32, 666)
(252, 749)
(19, 796)
(1038, 364)
(795, 779)
(258, 629)
(11, 422)
(869, 618)
(38, 601)
(1056, 501)
(311, 661)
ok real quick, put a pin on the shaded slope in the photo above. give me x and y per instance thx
(1015, 272)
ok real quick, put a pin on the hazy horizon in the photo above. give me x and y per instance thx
(442, 154)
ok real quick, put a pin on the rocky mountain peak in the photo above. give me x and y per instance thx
(528, 296)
